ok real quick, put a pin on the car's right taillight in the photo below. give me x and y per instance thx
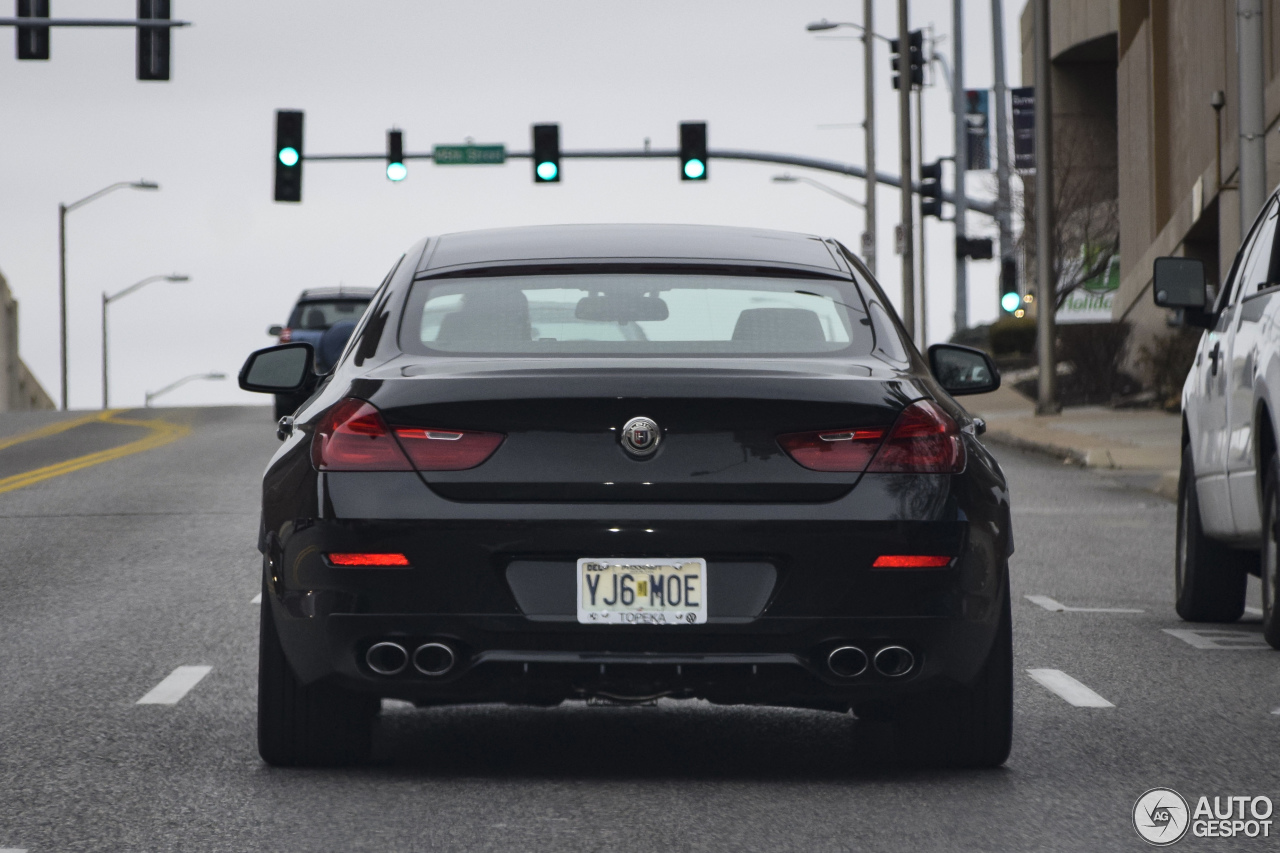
(352, 436)
(923, 440)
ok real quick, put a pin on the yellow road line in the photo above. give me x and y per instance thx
(162, 432)
(55, 428)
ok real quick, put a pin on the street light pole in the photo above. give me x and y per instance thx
(869, 98)
(787, 178)
(959, 106)
(63, 210)
(151, 395)
(904, 150)
(107, 300)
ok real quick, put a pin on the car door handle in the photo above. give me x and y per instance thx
(1214, 355)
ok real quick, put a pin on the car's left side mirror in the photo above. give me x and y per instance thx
(281, 369)
(963, 370)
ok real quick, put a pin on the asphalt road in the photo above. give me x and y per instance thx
(115, 573)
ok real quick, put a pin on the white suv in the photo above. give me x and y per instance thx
(1229, 488)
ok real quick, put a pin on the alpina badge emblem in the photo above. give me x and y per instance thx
(640, 436)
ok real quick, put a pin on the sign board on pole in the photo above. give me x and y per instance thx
(977, 131)
(469, 155)
(1092, 301)
(1024, 127)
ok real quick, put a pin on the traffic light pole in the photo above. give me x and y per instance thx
(1004, 195)
(904, 152)
(869, 132)
(924, 296)
(961, 315)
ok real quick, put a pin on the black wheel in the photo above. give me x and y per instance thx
(1270, 553)
(969, 725)
(1210, 577)
(314, 725)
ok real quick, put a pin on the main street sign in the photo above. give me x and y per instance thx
(469, 155)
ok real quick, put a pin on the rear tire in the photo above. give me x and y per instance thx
(1271, 553)
(314, 725)
(965, 726)
(1209, 577)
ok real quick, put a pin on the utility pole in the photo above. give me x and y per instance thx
(923, 338)
(1004, 197)
(904, 151)
(869, 132)
(959, 106)
(1253, 152)
(1046, 285)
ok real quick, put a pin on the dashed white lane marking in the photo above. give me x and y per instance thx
(257, 599)
(1058, 607)
(176, 685)
(1068, 688)
(1202, 638)
(1276, 712)
(13, 850)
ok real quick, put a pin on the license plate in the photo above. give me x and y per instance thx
(642, 592)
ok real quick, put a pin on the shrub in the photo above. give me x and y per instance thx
(1013, 335)
(1095, 351)
(1167, 360)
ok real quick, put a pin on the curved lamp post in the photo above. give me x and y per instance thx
(63, 210)
(799, 179)
(151, 395)
(107, 300)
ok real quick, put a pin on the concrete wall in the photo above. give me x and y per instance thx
(19, 390)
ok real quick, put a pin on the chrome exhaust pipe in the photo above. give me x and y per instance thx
(433, 659)
(894, 661)
(387, 658)
(847, 661)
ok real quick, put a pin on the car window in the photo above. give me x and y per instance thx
(1256, 269)
(320, 315)
(636, 314)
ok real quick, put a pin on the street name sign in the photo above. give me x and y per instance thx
(469, 155)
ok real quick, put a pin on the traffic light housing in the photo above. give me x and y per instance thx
(693, 151)
(33, 42)
(914, 59)
(975, 248)
(153, 42)
(1010, 300)
(288, 155)
(931, 189)
(396, 169)
(546, 153)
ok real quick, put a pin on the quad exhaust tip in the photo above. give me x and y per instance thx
(847, 661)
(434, 659)
(894, 661)
(387, 658)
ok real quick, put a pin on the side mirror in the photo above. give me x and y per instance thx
(963, 370)
(1179, 283)
(282, 369)
(275, 329)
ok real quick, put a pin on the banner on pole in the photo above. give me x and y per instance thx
(1024, 127)
(977, 131)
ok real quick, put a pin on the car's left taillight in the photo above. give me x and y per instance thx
(923, 440)
(352, 436)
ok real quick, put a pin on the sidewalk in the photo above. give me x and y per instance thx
(1139, 446)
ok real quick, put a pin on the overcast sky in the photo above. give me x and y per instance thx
(611, 74)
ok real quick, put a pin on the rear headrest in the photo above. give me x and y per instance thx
(779, 328)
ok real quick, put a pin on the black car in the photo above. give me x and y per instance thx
(629, 462)
(324, 318)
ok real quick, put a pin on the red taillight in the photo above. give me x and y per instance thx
(286, 335)
(353, 437)
(924, 440)
(833, 450)
(904, 561)
(447, 449)
(368, 559)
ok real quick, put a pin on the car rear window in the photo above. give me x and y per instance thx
(635, 314)
(322, 315)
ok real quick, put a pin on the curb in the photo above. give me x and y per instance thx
(1163, 484)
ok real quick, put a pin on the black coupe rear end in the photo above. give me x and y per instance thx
(626, 463)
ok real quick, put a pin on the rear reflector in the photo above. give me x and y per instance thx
(368, 559)
(833, 450)
(924, 440)
(447, 449)
(903, 561)
(353, 437)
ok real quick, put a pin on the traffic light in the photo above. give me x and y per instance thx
(153, 42)
(1009, 299)
(931, 189)
(915, 58)
(693, 151)
(288, 155)
(396, 169)
(33, 42)
(546, 153)
(975, 248)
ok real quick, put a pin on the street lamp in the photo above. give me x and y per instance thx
(869, 125)
(786, 178)
(107, 300)
(63, 210)
(151, 395)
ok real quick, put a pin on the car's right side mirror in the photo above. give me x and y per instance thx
(963, 370)
(279, 370)
(1180, 283)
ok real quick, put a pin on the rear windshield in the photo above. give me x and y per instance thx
(322, 315)
(640, 314)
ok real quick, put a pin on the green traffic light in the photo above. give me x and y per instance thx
(694, 169)
(289, 156)
(397, 171)
(547, 170)
(1010, 302)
